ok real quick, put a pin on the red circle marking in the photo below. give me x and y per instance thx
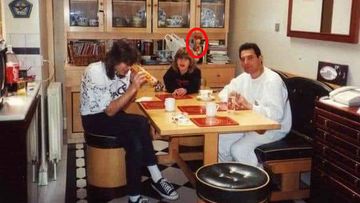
(188, 49)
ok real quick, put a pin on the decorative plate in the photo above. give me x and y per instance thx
(161, 14)
(328, 72)
(208, 18)
(141, 13)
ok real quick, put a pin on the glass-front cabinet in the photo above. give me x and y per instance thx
(173, 15)
(85, 15)
(212, 15)
(146, 16)
(131, 15)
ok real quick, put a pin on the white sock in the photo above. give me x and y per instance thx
(134, 198)
(155, 173)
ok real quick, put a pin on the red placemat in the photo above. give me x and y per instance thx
(214, 121)
(153, 104)
(166, 95)
(193, 109)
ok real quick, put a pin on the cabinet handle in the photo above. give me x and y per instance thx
(149, 5)
(155, 5)
(218, 75)
(199, 6)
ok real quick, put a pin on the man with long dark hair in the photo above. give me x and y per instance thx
(107, 87)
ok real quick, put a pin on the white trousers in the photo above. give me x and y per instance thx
(240, 147)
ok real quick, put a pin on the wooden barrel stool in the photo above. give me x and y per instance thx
(105, 168)
(232, 182)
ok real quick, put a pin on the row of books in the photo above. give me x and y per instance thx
(87, 48)
(217, 53)
(85, 52)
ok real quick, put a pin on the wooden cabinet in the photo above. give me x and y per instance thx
(215, 76)
(336, 161)
(105, 20)
(97, 19)
(19, 151)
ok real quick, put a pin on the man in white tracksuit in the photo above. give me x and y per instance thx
(259, 89)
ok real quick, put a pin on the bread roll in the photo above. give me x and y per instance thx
(149, 78)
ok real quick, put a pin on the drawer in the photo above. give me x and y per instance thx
(337, 172)
(217, 77)
(337, 142)
(347, 133)
(337, 157)
(335, 190)
(339, 116)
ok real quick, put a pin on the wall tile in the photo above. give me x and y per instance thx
(17, 40)
(32, 40)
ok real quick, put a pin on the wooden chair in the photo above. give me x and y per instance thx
(291, 156)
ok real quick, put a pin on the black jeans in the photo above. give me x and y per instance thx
(132, 131)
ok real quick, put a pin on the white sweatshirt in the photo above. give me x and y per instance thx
(267, 94)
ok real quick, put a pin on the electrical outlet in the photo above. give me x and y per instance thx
(277, 27)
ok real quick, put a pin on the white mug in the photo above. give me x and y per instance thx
(169, 104)
(211, 109)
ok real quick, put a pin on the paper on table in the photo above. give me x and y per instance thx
(141, 99)
(181, 119)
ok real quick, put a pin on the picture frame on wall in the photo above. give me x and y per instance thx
(332, 73)
(20, 8)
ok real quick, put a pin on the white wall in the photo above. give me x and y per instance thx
(254, 21)
(24, 33)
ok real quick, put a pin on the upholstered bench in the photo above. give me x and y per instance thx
(291, 156)
(232, 182)
(105, 167)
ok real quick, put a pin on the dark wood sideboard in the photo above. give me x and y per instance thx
(17, 176)
(336, 161)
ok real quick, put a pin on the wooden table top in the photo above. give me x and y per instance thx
(248, 120)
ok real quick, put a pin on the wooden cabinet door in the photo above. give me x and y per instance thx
(76, 117)
(213, 16)
(173, 16)
(128, 16)
(84, 15)
(217, 77)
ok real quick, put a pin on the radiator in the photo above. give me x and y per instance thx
(55, 123)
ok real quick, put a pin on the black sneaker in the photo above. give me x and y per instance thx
(140, 200)
(165, 189)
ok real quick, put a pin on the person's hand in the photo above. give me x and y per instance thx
(242, 103)
(179, 92)
(138, 80)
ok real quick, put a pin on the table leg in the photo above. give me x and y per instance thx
(211, 144)
(173, 150)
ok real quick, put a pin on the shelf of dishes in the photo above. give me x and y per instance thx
(134, 14)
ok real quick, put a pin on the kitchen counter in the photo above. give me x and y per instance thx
(16, 107)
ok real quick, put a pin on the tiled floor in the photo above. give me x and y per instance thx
(76, 186)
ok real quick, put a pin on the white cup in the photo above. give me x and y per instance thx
(211, 109)
(205, 94)
(169, 104)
